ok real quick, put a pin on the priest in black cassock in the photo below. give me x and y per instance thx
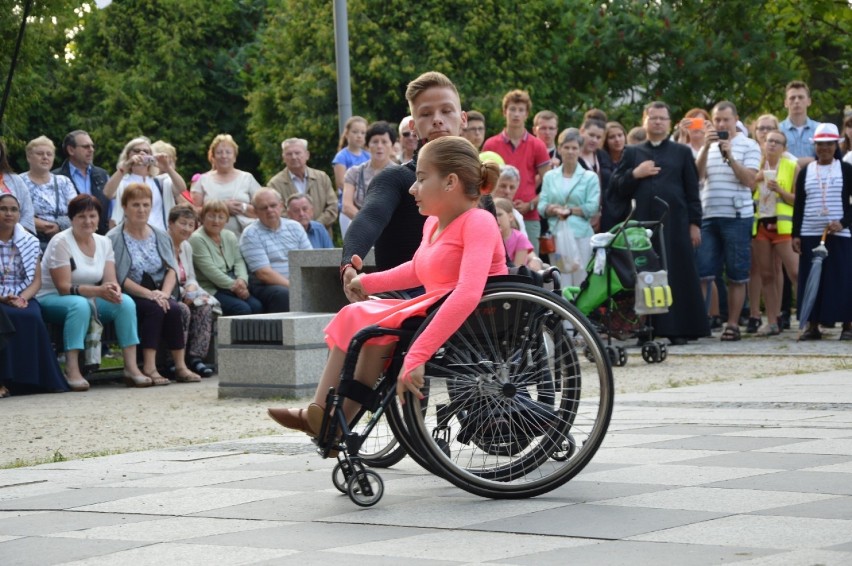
(662, 168)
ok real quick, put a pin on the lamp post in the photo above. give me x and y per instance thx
(341, 52)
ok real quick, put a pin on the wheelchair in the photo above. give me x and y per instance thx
(515, 403)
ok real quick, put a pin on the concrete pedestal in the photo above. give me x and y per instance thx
(271, 355)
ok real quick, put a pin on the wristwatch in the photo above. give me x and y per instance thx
(245, 208)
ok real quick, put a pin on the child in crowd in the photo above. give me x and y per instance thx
(350, 150)
(518, 246)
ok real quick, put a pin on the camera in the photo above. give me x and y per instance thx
(723, 134)
(149, 160)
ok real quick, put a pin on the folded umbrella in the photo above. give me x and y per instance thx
(812, 284)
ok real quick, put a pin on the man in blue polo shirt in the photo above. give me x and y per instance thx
(798, 128)
(300, 208)
(265, 245)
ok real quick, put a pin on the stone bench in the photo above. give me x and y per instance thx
(315, 280)
(271, 355)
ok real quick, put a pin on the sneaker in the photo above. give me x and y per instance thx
(752, 325)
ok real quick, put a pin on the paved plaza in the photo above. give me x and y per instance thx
(753, 472)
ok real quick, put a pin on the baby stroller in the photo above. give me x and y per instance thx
(626, 280)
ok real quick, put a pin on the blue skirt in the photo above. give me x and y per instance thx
(27, 360)
(834, 299)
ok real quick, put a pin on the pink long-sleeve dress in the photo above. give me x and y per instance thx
(456, 261)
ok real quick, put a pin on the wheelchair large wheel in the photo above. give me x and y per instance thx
(381, 449)
(514, 408)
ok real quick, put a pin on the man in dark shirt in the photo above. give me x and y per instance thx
(389, 218)
(87, 178)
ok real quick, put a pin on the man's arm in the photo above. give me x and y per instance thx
(269, 276)
(328, 200)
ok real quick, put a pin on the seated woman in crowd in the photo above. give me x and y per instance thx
(196, 303)
(219, 266)
(138, 164)
(27, 362)
(380, 139)
(50, 193)
(147, 271)
(12, 184)
(226, 183)
(78, 269)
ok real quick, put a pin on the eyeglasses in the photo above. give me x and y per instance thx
(407, 134)
(140, 150)
(775, 141)
(766, 128)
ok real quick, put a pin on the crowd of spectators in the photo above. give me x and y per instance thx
(159, 260)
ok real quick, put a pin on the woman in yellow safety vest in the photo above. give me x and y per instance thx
(773, 225)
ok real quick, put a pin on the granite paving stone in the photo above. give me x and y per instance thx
(182, 501)
(185, 555)
(47, 551)
(759, 531)
(634, 553)
(170, 529)
(800, 557)
(774, 461)
(833, 507)
(595, 521)
(51, 522)
(799, 481)
(716, 499)
(673, 474)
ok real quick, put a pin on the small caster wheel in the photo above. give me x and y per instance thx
(622, 356)
(651, 352)
(565, 450)
(365, 488)
(340, 476)
(664, 351)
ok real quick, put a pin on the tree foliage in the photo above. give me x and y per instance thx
(264, 70)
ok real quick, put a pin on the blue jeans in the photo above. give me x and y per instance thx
(232, 305)
(728, 240)
(74, 312)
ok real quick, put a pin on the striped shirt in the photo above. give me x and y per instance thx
(19, 258)
(263, 247)
(823, 198)
(723, 195)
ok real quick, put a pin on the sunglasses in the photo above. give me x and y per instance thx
(407, 134)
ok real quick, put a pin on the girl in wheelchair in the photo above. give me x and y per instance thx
(460, 249)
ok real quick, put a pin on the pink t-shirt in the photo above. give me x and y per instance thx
(516, 242)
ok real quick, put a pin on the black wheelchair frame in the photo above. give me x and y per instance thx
(511, 408)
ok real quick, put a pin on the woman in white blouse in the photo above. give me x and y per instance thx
(78, 268)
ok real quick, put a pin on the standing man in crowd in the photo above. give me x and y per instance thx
(545, 128)
(526, 152)
(661, 168)
(301, 209)
(798, 128)
(389, 217)
(408, 141)
(87, 178)
(729, 162)
(265, 245)
(297, 177)
(474, 132)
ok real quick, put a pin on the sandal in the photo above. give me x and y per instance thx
(137, 381)
(4, 392)
(156, 378)
(201, 368)
(186, 376)
(730, 334)
(810, 333)
(769, 330)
